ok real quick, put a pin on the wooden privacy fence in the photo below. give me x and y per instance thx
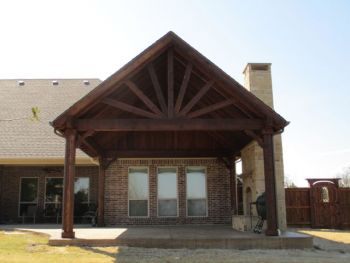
(323, 205)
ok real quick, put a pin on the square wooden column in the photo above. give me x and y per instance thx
(233, 186)
(68, 182)
(270, 183)
(101, 192)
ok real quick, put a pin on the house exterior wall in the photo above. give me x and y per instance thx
(218, 192)
(10, 186)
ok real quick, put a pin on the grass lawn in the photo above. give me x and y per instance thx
(331, 235)
(26, 247)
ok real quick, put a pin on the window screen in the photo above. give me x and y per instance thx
(167, 192)
(138, 192)
(196, 191)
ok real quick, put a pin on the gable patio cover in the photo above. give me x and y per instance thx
(169, 101)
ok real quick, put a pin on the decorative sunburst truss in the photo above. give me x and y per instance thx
(169, 104)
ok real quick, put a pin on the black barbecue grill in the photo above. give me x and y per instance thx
(260, 204)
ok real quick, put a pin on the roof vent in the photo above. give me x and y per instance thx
(86, 82)
(20, 83)
(55, 82)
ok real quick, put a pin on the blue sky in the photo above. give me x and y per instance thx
(307, 43)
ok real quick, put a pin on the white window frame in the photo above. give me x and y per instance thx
(45, 202)
(148, 197)
(20, 190)
(206, 190)
(177, 192)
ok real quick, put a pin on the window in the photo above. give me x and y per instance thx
(196, 189)
(167, 192)
(138, 192)
(54, 195)
(81, 190)
(81, 196)
(28, 201)
(325, 194)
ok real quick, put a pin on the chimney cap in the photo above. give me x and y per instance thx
(257, 66)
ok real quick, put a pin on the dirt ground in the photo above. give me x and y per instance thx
(330, 246)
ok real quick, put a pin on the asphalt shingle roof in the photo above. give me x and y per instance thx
(21, 137)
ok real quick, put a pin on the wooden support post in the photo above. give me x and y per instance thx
(68, 189)
(101, 192)
(270, 183)
(233, 181)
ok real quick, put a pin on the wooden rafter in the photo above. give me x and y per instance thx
(210, 108)
(105, 162)
(256, 137)
(133, 87)
(170, 78)
(83, 136)
(183, 87)
(196, 98)
(168, 124)
(157, 87)
(129, 108)
(92, 146)
(217, 88)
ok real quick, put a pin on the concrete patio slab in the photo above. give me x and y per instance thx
(198, 236)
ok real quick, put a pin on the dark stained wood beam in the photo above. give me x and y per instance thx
(170, 83)
(168, 153)
(104, 163)
(101, 192)
(207, 68)
(210, 108)
(68, 189)
(91, 146)
(104, 89)
(196, 98)
(183, 87)
(83, 136)
(87, 134)
(217, 88)
(133, 87)
(157, 87)
(100, 113)
(270, 183)
(233, 186)
(168, 124)
(256, 137)
(129, 108)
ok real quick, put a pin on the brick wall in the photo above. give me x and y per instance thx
(116, 192)
(10, 185)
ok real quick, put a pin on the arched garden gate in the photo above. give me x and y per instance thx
(324, 203)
